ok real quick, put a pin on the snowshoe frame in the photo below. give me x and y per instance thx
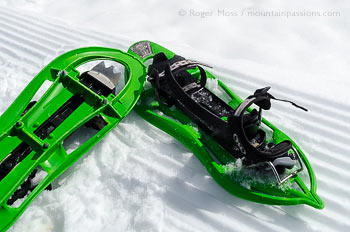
(204, 146)
(65, 107)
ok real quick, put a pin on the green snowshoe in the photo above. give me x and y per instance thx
(33, 134)
(243, 152)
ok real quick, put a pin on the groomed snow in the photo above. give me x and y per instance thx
(139, 178)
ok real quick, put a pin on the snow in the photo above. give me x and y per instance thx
(139, 178)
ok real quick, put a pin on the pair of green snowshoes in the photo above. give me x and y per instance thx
(243, 152)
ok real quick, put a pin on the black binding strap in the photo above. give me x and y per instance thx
(189, 104)
(294, 104)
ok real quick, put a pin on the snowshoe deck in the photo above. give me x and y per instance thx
(217, 137)
(32, 133)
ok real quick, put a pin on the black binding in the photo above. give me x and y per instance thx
(240, 134)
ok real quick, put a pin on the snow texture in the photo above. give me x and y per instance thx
(139, 178)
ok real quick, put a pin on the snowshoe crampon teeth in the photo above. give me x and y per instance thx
(108, 72)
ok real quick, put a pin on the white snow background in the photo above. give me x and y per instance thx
(139, 178)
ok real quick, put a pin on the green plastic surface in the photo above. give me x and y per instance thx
(65, 83)
(178, 125)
